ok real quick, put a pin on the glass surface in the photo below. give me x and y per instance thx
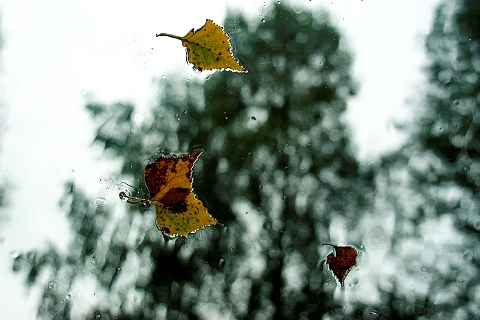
(355, 126)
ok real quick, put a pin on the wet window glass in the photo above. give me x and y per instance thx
(336, 177)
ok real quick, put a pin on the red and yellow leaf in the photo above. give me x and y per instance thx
(169, 181)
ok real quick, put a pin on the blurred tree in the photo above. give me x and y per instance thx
(277, 170)
(432, 183)
(3, 184)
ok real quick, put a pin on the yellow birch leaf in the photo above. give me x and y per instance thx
(208, 48)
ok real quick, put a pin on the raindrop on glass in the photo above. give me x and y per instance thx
(477, 224)
(101, 202)
(468, 255)
(107, 182)
(52, 285)
(221, 263)
(374, 314)
(123, 195)
(94, 258)
(13, 254)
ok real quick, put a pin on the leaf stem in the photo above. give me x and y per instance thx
(132, 199)
(169, 35)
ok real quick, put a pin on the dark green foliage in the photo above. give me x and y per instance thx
(277, 167)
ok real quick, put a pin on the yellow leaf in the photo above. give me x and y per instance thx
(169, 181)
(208, 48)
(174, 223)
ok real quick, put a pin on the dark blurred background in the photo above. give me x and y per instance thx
(279, 174)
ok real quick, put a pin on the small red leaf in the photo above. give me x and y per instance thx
(341, 261)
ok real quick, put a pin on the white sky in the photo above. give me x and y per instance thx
(55, 52)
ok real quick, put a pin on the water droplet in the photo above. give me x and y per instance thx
(267, 225)
(477, 224)
(101, 202)
(468, 255)
(68, 296)
(263, 21)
(138, 118)
(30, 255)
(119, 268)
(466, 168)
(107, 182)
(456, 102)
(52, 285)
(375, 314)
(221, 263)
(94, 259)
(123, 195)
